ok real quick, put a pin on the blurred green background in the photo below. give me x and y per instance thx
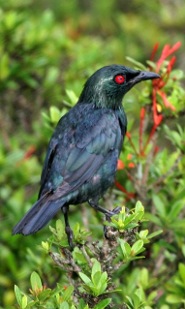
(47, 47)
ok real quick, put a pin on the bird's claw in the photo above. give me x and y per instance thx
(113, 212)
(116, 210)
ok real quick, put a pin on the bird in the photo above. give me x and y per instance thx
(82, 155)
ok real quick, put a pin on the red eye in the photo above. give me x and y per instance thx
(119, 79)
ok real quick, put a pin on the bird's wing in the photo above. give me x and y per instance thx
(91, 148)
(73, 161)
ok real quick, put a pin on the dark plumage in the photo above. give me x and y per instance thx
(82, 156)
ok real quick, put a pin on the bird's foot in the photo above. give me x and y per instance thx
(68, 229)
(115, 211)
(69, 234)
(107, 213)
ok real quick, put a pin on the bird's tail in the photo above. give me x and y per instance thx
(39, 215)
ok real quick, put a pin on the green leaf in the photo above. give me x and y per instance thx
(45, 245)
(159, 205)
(174, 299)
(68, 293)
(82, 304)
(183, 249)
(100, 282)
(139, 207)
(44, 294)
(79, 256)
(72, 96)
(138, 216)
(137, 64)
(144, 278)
(103, 304)
(96, 267)
(151, 64)
(176, 209)
(60, 229)
(4, 65)
(96, 277)
(84, 278)
(35, 280)
(177, 74)
(18, 294)
(64, 305)
(125, 247)
(24, 302)
(51, 77)
(182, 272)
(137, 246)
(143, 234)
(55, 114)
(154, 234)
(153, 218)
(104, 277)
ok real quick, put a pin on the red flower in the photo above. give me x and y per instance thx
(120, 165)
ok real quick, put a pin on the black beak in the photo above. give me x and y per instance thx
(143, 75)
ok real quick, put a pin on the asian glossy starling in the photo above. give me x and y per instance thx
(81, 160)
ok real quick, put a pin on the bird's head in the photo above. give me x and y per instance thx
(107, 86)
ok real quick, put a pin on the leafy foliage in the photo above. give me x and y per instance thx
(90, 266)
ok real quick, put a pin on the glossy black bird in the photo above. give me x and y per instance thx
(82, 156)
